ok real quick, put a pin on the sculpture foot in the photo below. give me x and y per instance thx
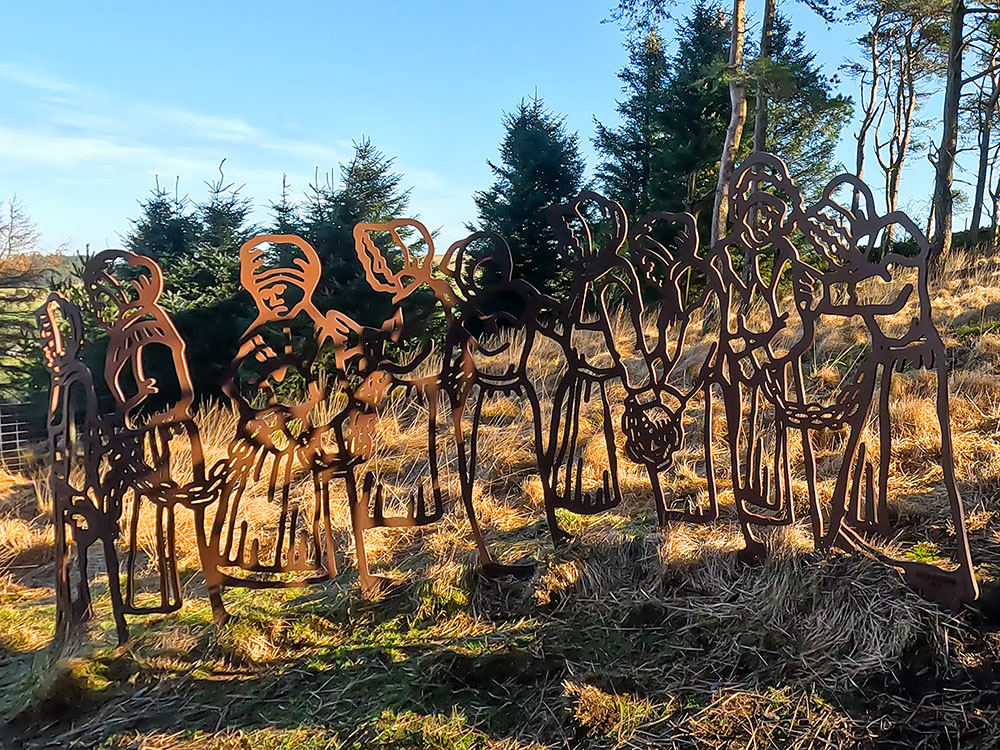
(752, 554)
(375, 587)
(949, 589)
(520, 571)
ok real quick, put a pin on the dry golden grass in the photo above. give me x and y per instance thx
(633, 637)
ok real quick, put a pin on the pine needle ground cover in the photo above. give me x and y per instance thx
(631, 637)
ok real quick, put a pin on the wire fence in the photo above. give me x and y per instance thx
(22, 430)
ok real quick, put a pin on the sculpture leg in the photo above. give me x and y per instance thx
(467, 477)
(114, 588)
(561, 446)
(370, 584)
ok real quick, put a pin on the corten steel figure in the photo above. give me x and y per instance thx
(417, 375)
(598, 274)
(849, 240)
(663, 248)
(276, 388)
(768, 212)
(125, 289)
(81, 516)
(754, 367)
(488, 343)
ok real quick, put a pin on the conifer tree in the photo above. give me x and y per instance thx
(633, 152)
(696, 109)
(806, 116)
(540, 165)
(369, 190)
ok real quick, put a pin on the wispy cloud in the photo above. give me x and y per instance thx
(35, 79)
(85, 125)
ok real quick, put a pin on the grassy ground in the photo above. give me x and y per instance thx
(632, 637)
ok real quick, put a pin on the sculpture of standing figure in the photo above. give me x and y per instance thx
(125, 289)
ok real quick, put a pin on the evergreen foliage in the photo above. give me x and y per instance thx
(634, 151)
(540, 165)
(665, 154)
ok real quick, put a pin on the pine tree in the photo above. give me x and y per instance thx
(369, 190)
(285, 212)
(633, 152)
(166, 228)
(540, 165)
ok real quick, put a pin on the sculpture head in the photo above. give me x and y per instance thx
(413, 266)
(123, 286)
(281, 272)
(590, 231)
(764, 201)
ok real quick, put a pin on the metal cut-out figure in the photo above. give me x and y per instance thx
(81, 516)
(664, 250)
(276, 388)
(311, 390)
(488, 344)
(125, 289)
(425, 378)
(598, 274)
(756, 370)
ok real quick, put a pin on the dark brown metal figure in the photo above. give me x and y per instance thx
(417, 374)
(754, 365)
(276, 388)
(770, 222)
(81, 516)
(125, 289)
(488, 343)
(850, 242)
(599, 275)
(663, 248)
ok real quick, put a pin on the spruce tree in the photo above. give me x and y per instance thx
(166, 228)
(633, 152)
(806, 116)
(540, 165)
(369, 190)
(696, 110)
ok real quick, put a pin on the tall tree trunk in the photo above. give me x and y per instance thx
(870, 107)
(995, 227)
(737, 119)
(945, 167)
(760, 116)
(985, 144)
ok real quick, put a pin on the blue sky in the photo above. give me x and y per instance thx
(101, 97)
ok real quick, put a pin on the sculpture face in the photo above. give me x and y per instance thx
(281, 272)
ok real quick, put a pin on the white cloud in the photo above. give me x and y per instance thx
(32, 146)
(34, 78)
(197, 123)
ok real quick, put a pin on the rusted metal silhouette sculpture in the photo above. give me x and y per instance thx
(125, 289)
(311, 387)
(664, 250)
(277, 390)
(81, 514)
(487, 347)
(597, 273)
